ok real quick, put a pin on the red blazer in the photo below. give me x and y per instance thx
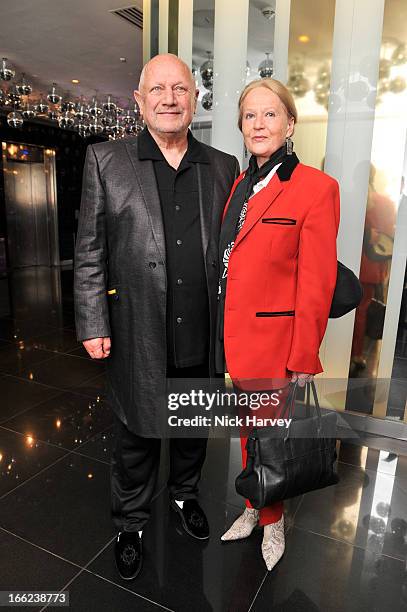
(281, 276)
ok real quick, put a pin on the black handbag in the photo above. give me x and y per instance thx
(283, 463)
(348, 292)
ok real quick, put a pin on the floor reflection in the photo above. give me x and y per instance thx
(346, 545)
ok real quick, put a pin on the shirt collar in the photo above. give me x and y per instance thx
(148, 148)
(288, 166)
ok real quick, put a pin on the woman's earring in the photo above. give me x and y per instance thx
(289, 145)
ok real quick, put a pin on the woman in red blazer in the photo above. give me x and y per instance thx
(279, 265)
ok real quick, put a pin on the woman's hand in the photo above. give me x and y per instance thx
(302, 378)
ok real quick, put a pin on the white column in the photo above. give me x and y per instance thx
(394, 297)
(230, 56)
(185, 28)
(146, 31)
(355, 61)
(281, 39)
(163, 16)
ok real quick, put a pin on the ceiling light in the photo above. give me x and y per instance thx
(75, 81)
(123, 59)
(303, 38)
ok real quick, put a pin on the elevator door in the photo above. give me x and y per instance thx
(29, 177)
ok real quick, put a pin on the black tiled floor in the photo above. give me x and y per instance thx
(346, 546)
(188, 575)
(79, 351)
(100, 446)
(57, 510)
(27, 567)
(361, 509)
(340, 577)
(21, 458)
(94, 387)
(17, 395)
(14, 330)
(89, 593)
(61, 340)
(63, 371)
(66, 420)
(15, 360)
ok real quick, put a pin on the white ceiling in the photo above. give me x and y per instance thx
(59, 40)
(79, 39)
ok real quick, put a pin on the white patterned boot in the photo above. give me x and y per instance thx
(243, 525)
(273, 544)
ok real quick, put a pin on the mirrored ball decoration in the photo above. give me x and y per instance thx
(15, 119)
(207, 101)
(53, 96)
(23, 88)
(6, 72)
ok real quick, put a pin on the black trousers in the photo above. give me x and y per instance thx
(135, 465)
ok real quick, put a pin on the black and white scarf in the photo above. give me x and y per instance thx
(231, 226)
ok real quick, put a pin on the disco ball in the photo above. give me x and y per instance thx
(15, 119)
(207, 101)
(109, 105)
(28, 112)
(53, 97)
(384, 68)
(81, 113)
(397, 85)
(399, 56)
(266, 68)
(67, 106)
(6, 73)
(66, 121)
(206, 71)
(94, 109)
(23, 88)
(82, 129)
(117, 128)
(299, 85)
(106, 120)
(53, 114)
(95, 126)
(41, 107)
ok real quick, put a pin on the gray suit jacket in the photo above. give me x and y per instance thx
(120, 282)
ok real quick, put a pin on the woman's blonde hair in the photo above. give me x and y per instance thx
(276, 87)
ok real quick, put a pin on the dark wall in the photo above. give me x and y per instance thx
(70, 150)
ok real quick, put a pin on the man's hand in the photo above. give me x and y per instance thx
(98, 348)
(302, 378)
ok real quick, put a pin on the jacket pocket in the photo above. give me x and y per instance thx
(281, 313)
(279, 221)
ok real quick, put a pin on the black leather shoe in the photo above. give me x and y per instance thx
(193, 519)
(128, 554)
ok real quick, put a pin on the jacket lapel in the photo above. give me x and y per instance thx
(206, 197)
(258, 204)
(144, 172)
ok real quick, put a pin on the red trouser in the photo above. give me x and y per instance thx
(359, 328)
(272, 513)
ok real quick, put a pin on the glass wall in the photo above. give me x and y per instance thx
(375, 357)
(349, 81)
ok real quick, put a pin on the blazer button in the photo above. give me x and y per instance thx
(214, 263)
(152, 264)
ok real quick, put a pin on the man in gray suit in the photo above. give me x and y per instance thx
(146, 278)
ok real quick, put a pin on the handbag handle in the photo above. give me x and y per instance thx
(290, 403)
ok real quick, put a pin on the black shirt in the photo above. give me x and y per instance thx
(187, 294)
